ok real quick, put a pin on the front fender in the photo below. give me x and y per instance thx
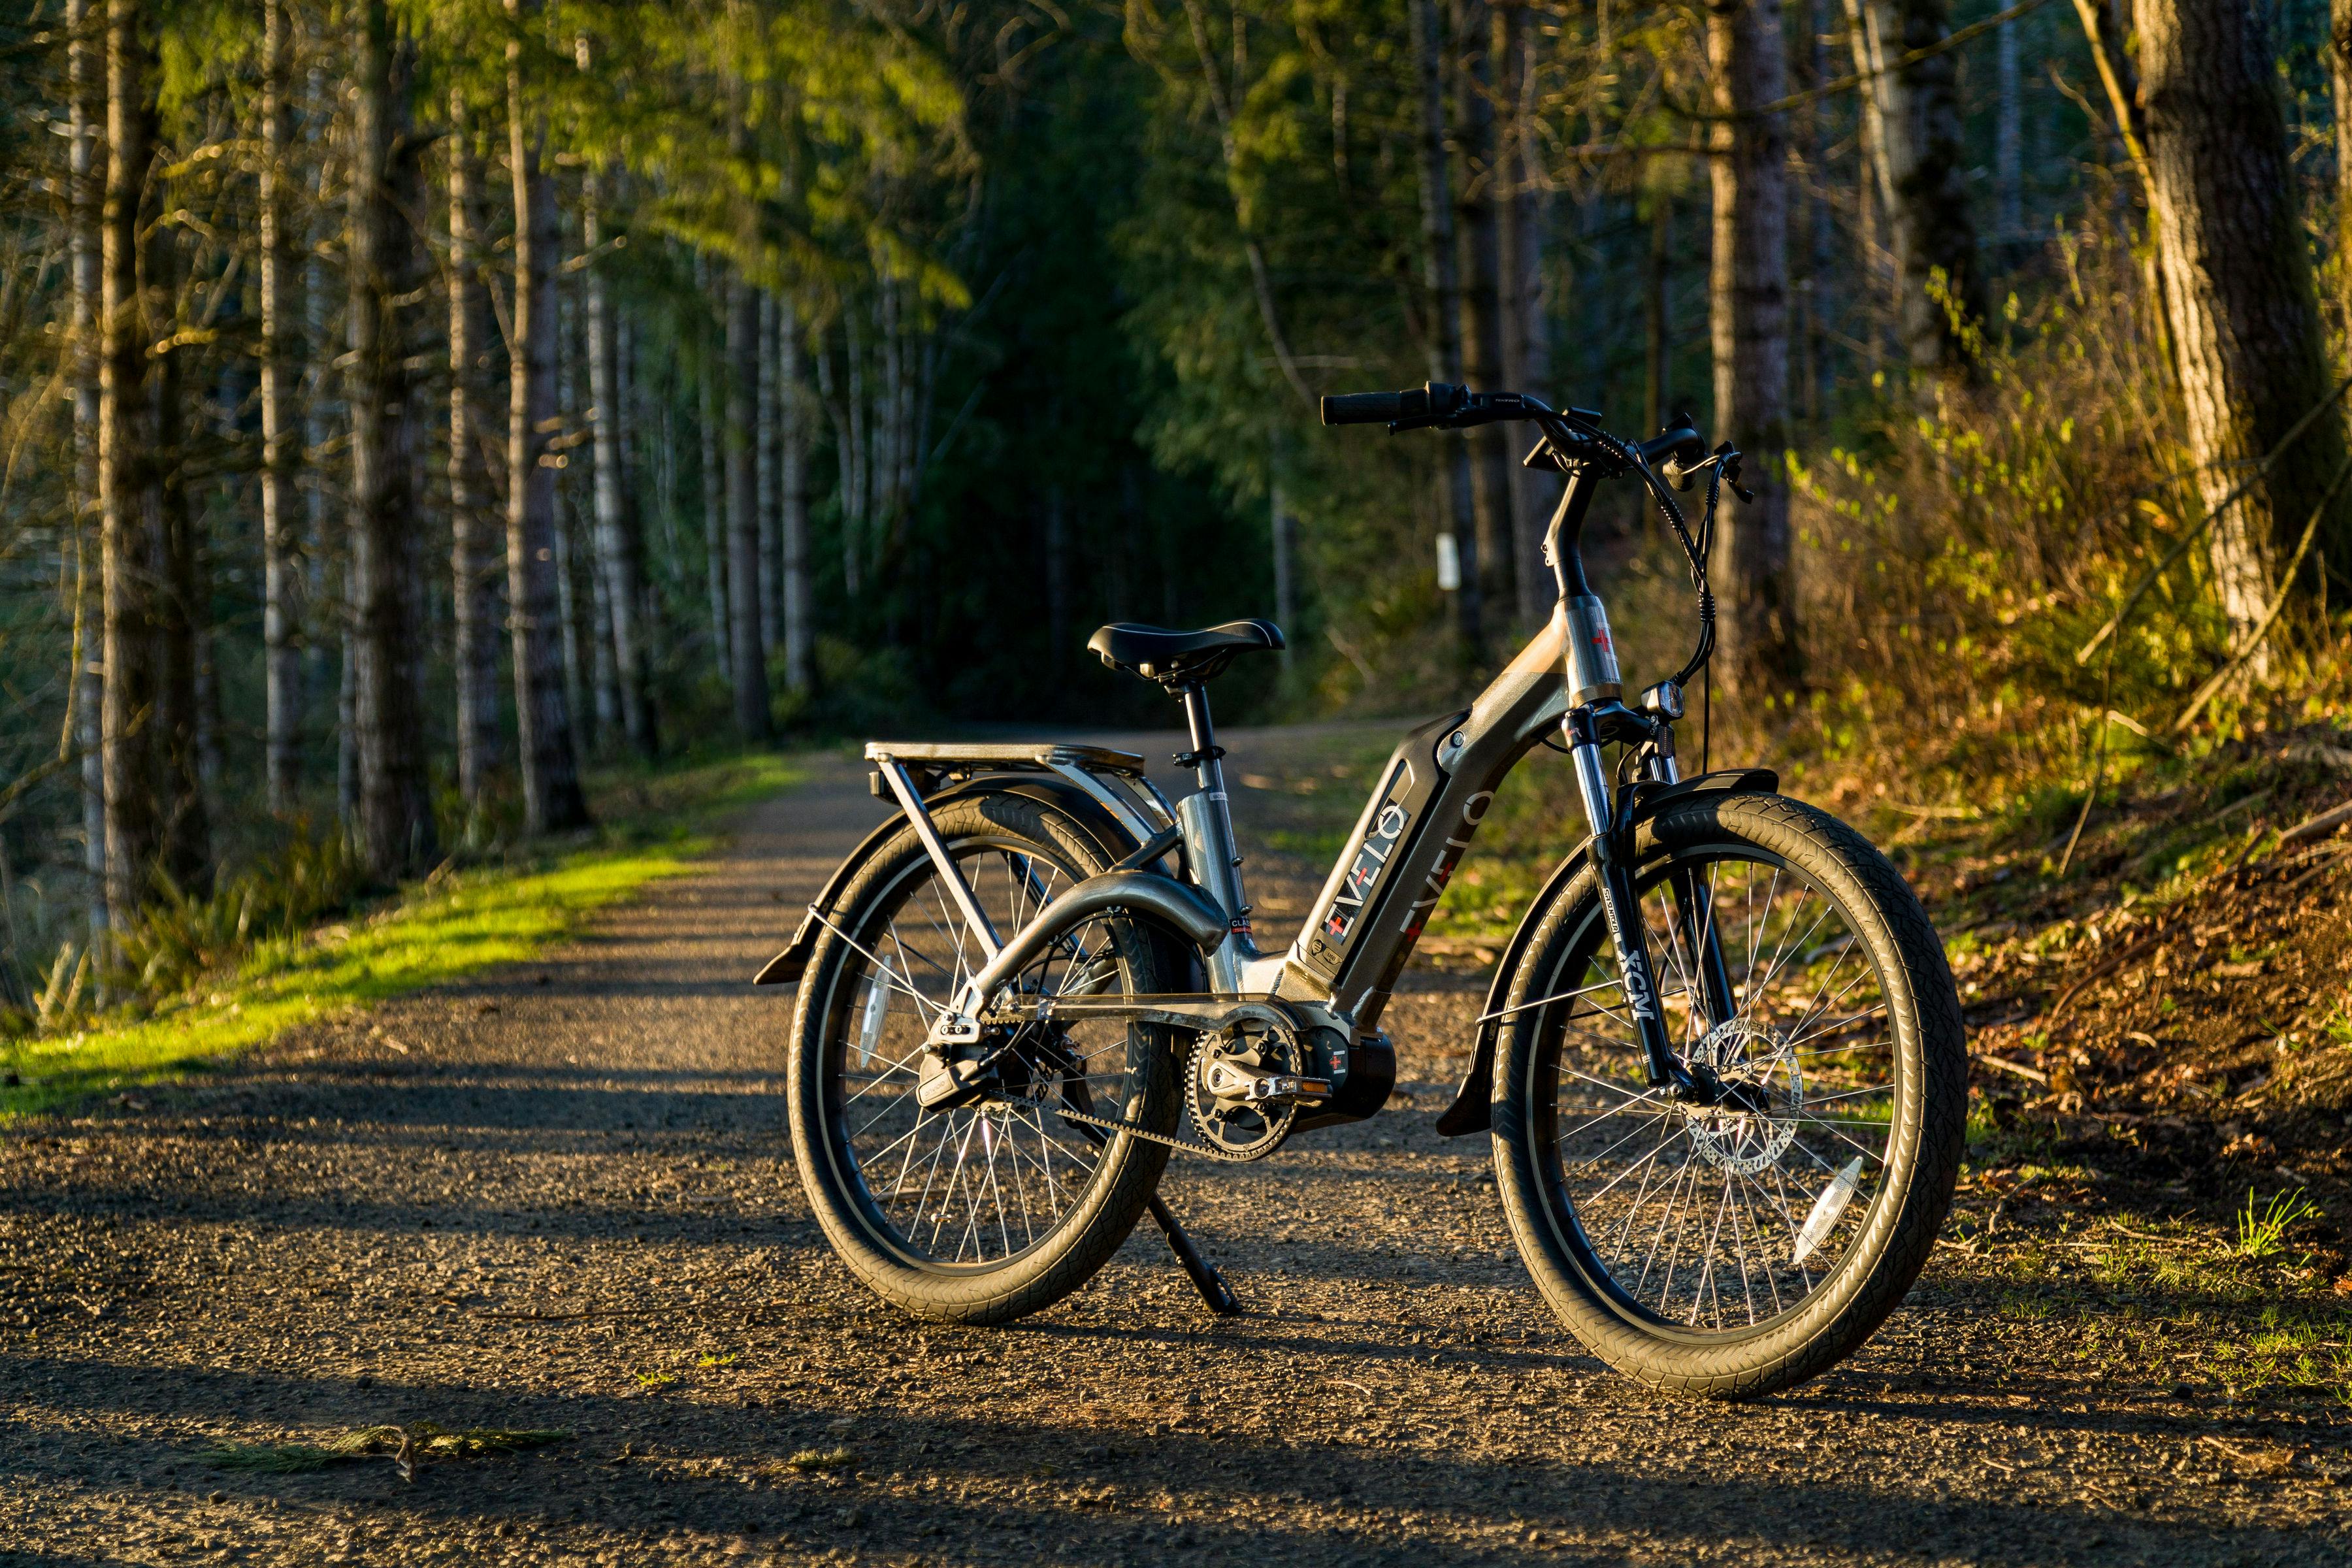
(1472, 1109)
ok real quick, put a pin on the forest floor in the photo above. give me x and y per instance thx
(554, 1201)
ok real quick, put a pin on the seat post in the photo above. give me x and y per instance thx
(1207, 818)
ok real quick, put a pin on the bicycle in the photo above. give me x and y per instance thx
(1721, 1061)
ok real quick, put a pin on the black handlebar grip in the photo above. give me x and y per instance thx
(1682, 444)
(1363, 408)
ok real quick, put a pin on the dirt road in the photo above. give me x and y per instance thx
(560, 1198)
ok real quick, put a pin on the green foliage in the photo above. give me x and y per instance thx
(2261, 1231)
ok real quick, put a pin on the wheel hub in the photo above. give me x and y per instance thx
(1750, 1125)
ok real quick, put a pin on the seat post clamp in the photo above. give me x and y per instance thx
(1199, 759)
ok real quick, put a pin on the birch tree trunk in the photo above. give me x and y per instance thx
(553, 801)
(742, 511)
(1476, 30)
(1921, 162)
(2246, 336)
(86, 78)
(281, 671)
(616, 555)
(799, 599)
(387, 279)
(1440, 276)
(1747, 318)
(474, 525)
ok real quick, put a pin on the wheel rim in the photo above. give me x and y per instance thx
(977, 1186)
(1720, 1222)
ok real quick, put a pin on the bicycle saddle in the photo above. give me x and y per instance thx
(1181, 659)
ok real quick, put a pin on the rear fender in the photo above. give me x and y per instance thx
(1112, 841)
(1472, 1109)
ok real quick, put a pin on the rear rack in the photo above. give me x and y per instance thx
(964, 756)
(1135, 803)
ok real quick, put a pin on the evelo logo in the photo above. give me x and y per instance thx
(1372, 855)
(1474, 812)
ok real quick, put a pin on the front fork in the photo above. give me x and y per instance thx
(1612, 857)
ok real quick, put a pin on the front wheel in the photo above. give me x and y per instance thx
(1739, 1247)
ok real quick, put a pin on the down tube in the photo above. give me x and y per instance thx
(1364, 923)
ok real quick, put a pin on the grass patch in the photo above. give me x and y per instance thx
(407, 1447)
(455, 922)
(821, 1459)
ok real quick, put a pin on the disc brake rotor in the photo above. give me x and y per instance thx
(1728, 1136)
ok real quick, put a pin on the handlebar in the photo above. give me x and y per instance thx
(1675, 452)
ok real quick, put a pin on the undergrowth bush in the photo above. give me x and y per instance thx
(1954, 563)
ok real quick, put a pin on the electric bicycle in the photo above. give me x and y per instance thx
(1721, 1061)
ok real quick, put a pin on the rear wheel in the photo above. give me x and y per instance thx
(986, 1211)
(1736, 1248)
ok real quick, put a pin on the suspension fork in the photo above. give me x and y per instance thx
(1612, 857)
(1695, 911)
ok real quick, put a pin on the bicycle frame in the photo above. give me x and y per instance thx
(1422, 816)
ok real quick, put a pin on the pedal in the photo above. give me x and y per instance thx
(1231, 1082)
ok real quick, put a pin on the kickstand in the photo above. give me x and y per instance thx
(1204, 1274)
(1212, 1284)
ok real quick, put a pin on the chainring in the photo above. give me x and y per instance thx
(1237, 1129)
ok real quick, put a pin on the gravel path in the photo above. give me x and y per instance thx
(560, 1197)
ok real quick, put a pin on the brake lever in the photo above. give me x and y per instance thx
(1728, 456)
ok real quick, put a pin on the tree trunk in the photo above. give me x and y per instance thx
(2246, 335)
(1656, 330)
(474, 526)
(714, 531)
(1476, 28)
(1747, 318)
(616, 555)
(2339, 82)
(1527, 326)
(857, 471)
(86, 72)
(799, 599)
(765, 475)
(1057, 585)
(281, 671)
(388, 276)
(553, 800)
(1282, 531)
(181, 603)
(2009, 138)
(845, 456)
(1921, 162)
(130, 483)
(742, 511)
(1442, 277)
